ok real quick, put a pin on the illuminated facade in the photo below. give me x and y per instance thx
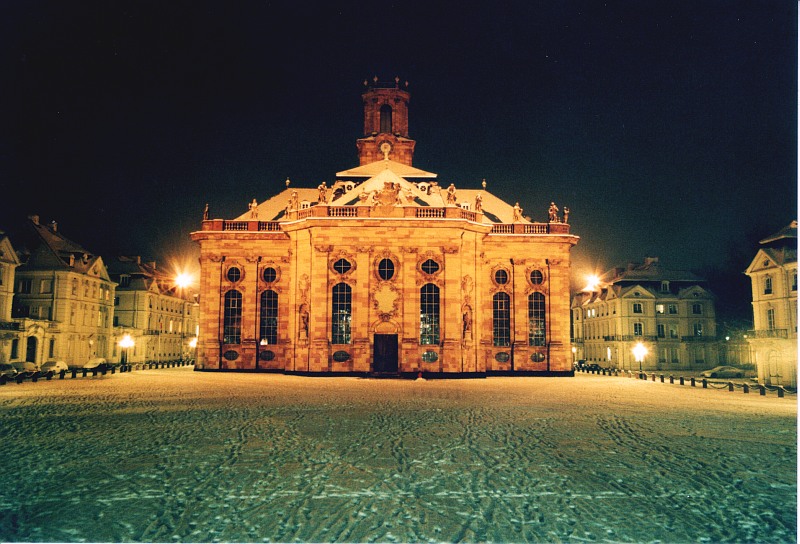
(63, 298)
(385, 271)
(159, 317)
(670, 312)
(773, 276)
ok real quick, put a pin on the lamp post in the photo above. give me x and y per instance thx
(193, 345)
(639, 353)
(182, 281)
(126, 344)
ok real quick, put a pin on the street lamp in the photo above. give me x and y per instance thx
(126, 343)
(639, 353)
(193, 345)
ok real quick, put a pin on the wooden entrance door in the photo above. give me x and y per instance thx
(385, 353)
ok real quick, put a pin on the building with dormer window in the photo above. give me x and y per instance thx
(672, 313)
(773, 276)
(385, 272)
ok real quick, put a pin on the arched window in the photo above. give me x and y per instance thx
(386, 119)
(232, 318)
(269, 317)
(501, 319)
(341, 313)
(429, 314)
(537, 323)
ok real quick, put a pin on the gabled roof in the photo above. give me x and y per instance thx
(768, 257)
(42, 247)
(787, 233)
(374, 168)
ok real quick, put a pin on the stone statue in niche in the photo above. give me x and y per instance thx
(303, 333)
(467, 322)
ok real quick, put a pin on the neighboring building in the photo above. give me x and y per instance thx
(773, 275)
(10, 334)
(159, 317)
(670, 312)
(62, 298)
(385, 272)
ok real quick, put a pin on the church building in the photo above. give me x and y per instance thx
(385, 272)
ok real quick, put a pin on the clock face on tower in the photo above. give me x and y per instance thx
(385, 148)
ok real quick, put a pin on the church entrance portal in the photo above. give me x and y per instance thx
(385, 353)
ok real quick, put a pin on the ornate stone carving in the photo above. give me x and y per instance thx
(324, 248)
(385, 300)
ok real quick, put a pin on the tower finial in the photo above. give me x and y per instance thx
(483, 184)
(287, 183)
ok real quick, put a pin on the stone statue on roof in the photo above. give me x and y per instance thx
(253, 209)
(323, 193)
(517, 213)
(478, 203)
(553, 213)
(451, 195)
(566, 214)
(205, 212)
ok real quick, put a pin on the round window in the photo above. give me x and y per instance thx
(430, 266)
(341, 356)
(234, 274)
(430, 357)
(537, 357)
(231, 355)
(266, 355)
(342, 266)
(270, 274)
(501, 277)
(537, 277)
(386, 269)
(502, 357)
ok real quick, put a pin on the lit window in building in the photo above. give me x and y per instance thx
(768, 285)
(659, 308)
(386, 119)
(501, 319)
(234, 274)
(429, 314)
(269, 317)
(537, 324)
(537, 277)
(386, 269)
(698, 329)
(341, 313)
(232, 324)
(638, 329)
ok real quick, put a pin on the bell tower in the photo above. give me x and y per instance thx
(385, 123)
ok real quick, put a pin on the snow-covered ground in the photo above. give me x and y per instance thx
(173, 455)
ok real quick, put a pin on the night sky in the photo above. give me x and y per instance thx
(668, 128)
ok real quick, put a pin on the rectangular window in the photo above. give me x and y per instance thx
(794, 281)
(269, 318)
(72, 314)
(15, 348)
(341, 314)
(501, 320)
(662, 330)
(429, 314)
(537, 324)
(672, 309)
(698, 329)
(24, 287)
(665, 287)
(637, 307)
(116, 301)
(232, 324)
(638, 329)
(52, 349)
(46, 286)
(768, 285)
(697, 308)
(659, 308)
(771, 319)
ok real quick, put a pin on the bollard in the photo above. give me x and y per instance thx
(781, 391)
(74, 372)
(746, 388)
(671, 378)
(692, 381)
(730, 386)
(94, 372)
(662, 378)
(35, 378)
(84, 372)
(103, 372)
(762, 390)
(48, 376)
(653, 377)
(62, 374)
(681, 379)
(705, 383)
(112, 369)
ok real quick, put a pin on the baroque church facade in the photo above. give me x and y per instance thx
(385, 272)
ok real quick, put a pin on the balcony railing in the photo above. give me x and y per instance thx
(769, 333)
